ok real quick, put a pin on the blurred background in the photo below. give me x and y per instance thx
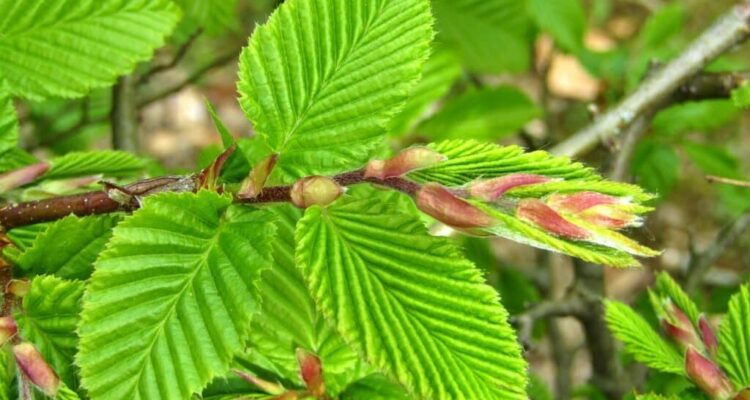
(526, 72)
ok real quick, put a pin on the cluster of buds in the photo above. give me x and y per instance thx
(311, 373)
(36, 369)
(22, 176)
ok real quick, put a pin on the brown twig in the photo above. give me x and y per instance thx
(124, 116)
(727, 181)
(178, 56)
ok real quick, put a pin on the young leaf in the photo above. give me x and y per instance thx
(565, 20)
(289, 319)
(482, 114)
(105, 162)
(322, 78)
(667, 287)
(641, 340)
(24, 237)
(68, 47)
(15, 158)
(480, 30)
(49, 319)
(374, 387)
(8, 121)
(656, 166)
(213, 16)
(734, 339)
(409, 302)
(741, 96)
(438, 74)
(704, 116)
(68, 247)
(170, 301)
(7, 375)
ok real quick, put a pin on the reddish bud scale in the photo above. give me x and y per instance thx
(743, 394)
(254, 183)
(31, 362)
(408, 160)
(8, 329)
(540, 214)
(609, 217)
(575, 203)
(311, 371)
(209, 177)
(492, 189)
(707, 376)
(22, 176)
(268, 387)
(439, 203)
(683, 337)
(315, 190)
(18, 287)
(708, 336)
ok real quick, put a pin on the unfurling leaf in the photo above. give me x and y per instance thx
(31, 362)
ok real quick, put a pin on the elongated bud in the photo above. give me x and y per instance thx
(311, 371)
(439, 203)
(408, 160)
(18, 287)
(315, 190)
(596, 208)
(19, 177)
(707, 376)
(744, 394)
(492, 189)
(266, 386)
(31, 362)
(8, 329)
(678, 326)
(577, 202)
(540, 214)
(708, 336)
(209, 177)
(254, 183)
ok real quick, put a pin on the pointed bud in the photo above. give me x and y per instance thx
(8, 329)
(315, 190)
(707, 376)
(31, 362)
(311, 371)
(209, 177)
(266, 386)
(439, 203)
(708, 336)
(541, 215)
(744, 394)
(19, 177)
(596, 208)
(18, 287)
(492, 189)
(683, 337)
(254, 183)
(408, 160)
(577, 202)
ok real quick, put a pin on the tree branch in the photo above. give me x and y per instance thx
(124, 116)
(732, 28)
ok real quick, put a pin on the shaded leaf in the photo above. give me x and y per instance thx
(734, 339)
(111, 163)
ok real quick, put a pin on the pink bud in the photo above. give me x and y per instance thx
(254, 183)
(8, 329)
(268, 387)
(439, 203)
(708, 336)
(209, 177)
(610, 216)
(18, 287)
(707, 376)
(19, 177)
(492, 189)
(315, 190)
(311, 371)
(408, 160)
(685, 337)
(744, 394)
(538, 213)
(31, 362)
(575, 203)
(677, 316)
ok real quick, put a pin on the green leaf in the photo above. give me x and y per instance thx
(8, 391)
(702, 116)
(15, 158)
(214, 17)
(482, 114)
(23, 237)
(664, 24)
(656, 166)
(667, 287)
(490, 36)
(322, 78)
(226, 137)
(289, 319)
(110, 163)
(734, 339)
(68, 47)
(641, 340)
(741, 96)
(171, 298)
(8, 121)
(68, 247)
(416, 309)
(711, 159)
(374, 387)
(438, 75)
(49, 319)
(565, 20)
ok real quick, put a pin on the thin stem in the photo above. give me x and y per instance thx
(179, 55)
(124, 115)
(727, 181)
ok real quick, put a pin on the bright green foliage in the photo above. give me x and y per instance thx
(564, 20)
(23, 237)
(662, 25)
(489, 35)
(7, 375)
(107, 163)
(170, 302)
(714, 160)
(322, 78)
(641, 340)
(68, 47)
(482, 114)
(214, 16)
(409, 302)
(734, 339)
(226, 137)
(653, 396)
(438, 74)
(49, 318)
(15, 158)
(8, 121)
(289, 319)
(68, 247)
(66, 393)
(374, 387)
(656, 166)
(668, 288)
(741, 96)
(689, 117)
